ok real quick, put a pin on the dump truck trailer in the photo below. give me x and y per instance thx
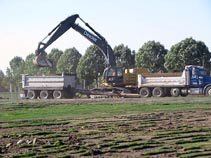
(46, 87)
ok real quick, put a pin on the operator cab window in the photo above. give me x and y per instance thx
(112, 72)
(119, 72)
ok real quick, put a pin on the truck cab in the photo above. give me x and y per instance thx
(198, 76)
(200, 81)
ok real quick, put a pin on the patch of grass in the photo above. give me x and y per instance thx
(48, 145)
(64, 156)
(31, 123)
(55, 149)
(191, 141)
(196, 154)
(86, 111)
(55, 135)
(197, 145)
(38, 133)
(170, 134)
(144, 146)
(161, 150)
(126, 145)
(28, 154)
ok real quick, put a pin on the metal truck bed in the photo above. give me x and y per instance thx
(47, 82)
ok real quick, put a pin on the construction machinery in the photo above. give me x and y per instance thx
(93, 37)
(128, 82)
(113, 76)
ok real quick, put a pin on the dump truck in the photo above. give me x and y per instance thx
(45, 87)
(194, 80)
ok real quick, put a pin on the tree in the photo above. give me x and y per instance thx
(2, 81)
(68, 61)
(124, 56)
(2, 76)
(17, 65)
(91, 65)
(151, 55)
(54, 56)
(30, 68)
(17, 68)
(187, 52)
(10, 79)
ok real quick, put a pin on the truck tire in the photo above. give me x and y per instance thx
(184, 92)
(208, 91)
(145, 92)
(31, 94)
(57, 94)
(175, 92)
(158, 92)
(44, 94)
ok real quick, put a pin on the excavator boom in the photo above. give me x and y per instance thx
(61, 28)
(41, 59)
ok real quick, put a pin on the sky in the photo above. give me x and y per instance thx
(24, 23)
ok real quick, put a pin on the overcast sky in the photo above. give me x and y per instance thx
(132, 22)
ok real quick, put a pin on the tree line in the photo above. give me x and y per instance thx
(152, 55)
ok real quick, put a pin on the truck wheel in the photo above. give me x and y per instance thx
(158, 92)
(184, 92)
(44, 94)
(31, 94)
(175, 92)
(208, 91)
(145, 92)
(57, 94)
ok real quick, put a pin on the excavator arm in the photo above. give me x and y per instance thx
(61, 28)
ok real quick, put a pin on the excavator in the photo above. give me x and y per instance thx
(113, 76)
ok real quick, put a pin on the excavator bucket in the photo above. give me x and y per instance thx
(42, 61)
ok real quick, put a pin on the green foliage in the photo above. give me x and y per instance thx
(2, 76)
(30, 68)
(3, 81)
(17, 68)
(54, 56)
(187, 52)
(124, 56)
(151, 55)
(68, 61)
(90, 65)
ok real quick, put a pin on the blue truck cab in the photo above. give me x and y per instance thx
(200, 81)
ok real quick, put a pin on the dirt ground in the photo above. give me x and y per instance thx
(156, 134)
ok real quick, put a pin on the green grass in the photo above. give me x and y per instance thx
(89, 111)
(148, 130)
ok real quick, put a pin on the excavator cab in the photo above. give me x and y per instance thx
(113, 76)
